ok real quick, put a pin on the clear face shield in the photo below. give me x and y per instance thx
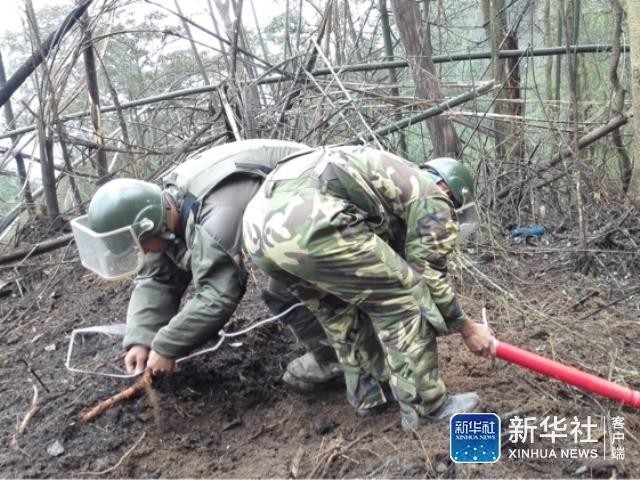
(468, 217)
(112, 255)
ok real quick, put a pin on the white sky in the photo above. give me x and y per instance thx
(13, 16)
(13, 13)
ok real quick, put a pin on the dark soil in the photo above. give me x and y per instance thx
(228, 414)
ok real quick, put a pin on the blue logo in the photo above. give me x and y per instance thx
(475, 438)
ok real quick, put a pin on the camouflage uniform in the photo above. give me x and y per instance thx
(361, 236)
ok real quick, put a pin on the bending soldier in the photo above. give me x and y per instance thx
(190, 231)
(362, 237)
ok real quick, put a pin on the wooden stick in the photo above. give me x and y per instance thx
(295, 463)
(127, 394)
(27, 416)
(37, 249)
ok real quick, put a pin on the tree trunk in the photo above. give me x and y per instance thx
(416, 38)
(393, 75)
(509, 142)
(548, 62)
(617, 104)
(633, 10)
(46, 96)
(45, 141)
(578, 166)
(38, 55)
(93, 91)
(20, 168)
(558, 84)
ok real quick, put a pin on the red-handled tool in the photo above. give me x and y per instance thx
(566, 374)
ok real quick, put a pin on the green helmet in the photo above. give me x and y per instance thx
(127, 202)
(457, 177)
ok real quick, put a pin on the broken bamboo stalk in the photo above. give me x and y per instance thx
(365, 67)
(435, 110)
(37, 249)
(583, 142)
(27, 68)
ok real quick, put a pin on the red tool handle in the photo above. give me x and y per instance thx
(567, 374)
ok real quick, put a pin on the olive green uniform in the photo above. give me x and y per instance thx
(362, 237)
(222, 180)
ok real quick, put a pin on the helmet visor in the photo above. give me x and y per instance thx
(468, 219)
(112, 255)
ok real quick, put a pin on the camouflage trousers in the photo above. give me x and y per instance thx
(302, 323)
(373, 307)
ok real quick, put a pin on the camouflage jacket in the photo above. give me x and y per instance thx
(406, 208)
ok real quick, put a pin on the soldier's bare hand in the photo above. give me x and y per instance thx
(159, 364)
(135, 361)
(477, 337)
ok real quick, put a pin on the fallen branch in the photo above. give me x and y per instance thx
(583, 142)
(431, 112)
(366, 67)
(611, 304)
(127, 394)
(37, 249)
(27, 417)
(295, 463)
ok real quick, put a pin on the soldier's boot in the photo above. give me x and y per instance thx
(460, 403)
(308, 374)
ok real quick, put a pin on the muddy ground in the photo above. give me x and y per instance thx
(228, 414)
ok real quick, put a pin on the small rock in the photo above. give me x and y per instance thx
(55, 449)
(441, 468)
(322, 425)
(50, 348)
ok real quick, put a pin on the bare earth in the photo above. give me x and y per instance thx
(228, 414)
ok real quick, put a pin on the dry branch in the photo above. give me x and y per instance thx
(365, 67)
(436, 110)
(339, 448)
(128, 393)
(584, 141)
(9, 118)
(27, 417)
(295, 463)
(37, 249)
(32, 62)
